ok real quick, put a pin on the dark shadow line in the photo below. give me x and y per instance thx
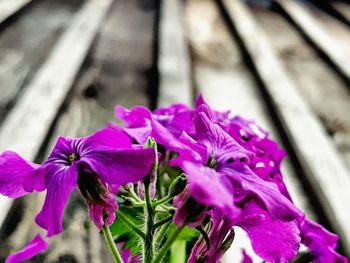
(278, 122)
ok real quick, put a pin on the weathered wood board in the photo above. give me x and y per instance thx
(315, 152)
(331, 47)
(10, 7)
(121, 69)
(107, 78)
(174, 74)
(26, 42)
(343, 8)
(49, 87)
(221, 75)
(321, 87)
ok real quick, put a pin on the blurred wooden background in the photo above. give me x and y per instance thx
(64, 64)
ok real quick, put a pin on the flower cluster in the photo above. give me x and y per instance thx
(180, 168)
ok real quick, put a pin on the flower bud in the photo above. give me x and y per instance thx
(152, 177)
(178, 185)
(91, 188)
(150, 143)
(98, 195)
(188, 211)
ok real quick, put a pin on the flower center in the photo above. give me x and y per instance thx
(212, 163)
(200, 259)
(73, 157)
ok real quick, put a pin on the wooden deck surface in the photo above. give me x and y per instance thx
(287, 66)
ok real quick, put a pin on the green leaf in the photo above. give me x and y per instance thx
(187, 234)
(122, 233)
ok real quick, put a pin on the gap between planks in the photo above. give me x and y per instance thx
(9, 8)
(26, 126)
(24, 48)
(226, 84)
(342, 8)
(108, 84)
(327, 95)
(313, 31)
(206, 77)
(316, 153)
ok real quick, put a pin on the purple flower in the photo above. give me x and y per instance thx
(272, 239)
(266, 164)
(321, 243)
(176, 118)
(13, 173)
(224, 168)
(34, 247)
(219, 117)
(189, 211)
(126, 255)
(96, 165)
(141, 124)
(245, 199)
(138, 121)
(246, 258)
(268, 156)
(226, 154)
(220, 237)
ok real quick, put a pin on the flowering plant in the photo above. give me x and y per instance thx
(176, 177)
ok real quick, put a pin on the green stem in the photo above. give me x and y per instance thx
(125, 219)
(178, 252)
(167, 245)
(162, 233)
(149, 215)
(134, 195)
(165, 199)
(167, 208)
(162, 222)
(148, 248)
(113, 249)
(164, 209)
(133, 202)
(138, 204)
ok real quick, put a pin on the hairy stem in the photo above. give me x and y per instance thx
(111, 245)
(167, 245)
(165, 199)
(134, 195)
(125, 219)
(149, 229)
(161, 234)
(148, 245)
(162, 222)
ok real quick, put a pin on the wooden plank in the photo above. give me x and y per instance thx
(9, 7)
(332, 25)
(70, 246)
(107, 78)
(332, 49)
(51, 84)
(331, 8)
(226, 83)
(342, 8)
(322, 88)
(27, 43)
(27, 124)
(173, 65)
(316, 153)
